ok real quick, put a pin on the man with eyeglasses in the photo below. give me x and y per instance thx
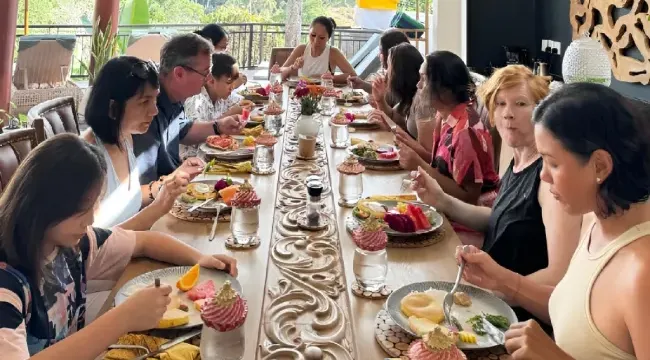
(185, 63)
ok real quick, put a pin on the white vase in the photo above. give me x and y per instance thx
(308, 125)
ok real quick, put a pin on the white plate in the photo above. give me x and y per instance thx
(169, 276)
(482, 302)
(436, 219)
(212, 205)
(374, 161)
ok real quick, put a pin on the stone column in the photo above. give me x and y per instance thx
(293, 26)
(8, 19)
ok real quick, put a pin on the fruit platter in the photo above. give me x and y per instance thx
(229, 148)
(357, 119)
(220, 192)
(400, 218)
(353, 97)
(374, 153)
(417, 308)
(191, 286)
(256, 93)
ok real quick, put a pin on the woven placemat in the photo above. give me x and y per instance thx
(419, 241)
(392, 167)
(395, 341)
(181, 213)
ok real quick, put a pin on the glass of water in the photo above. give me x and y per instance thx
(273, 124)
(328, 104)
(263, 158)
(244, 222)
(340, 135)
(370, 269)
(222, 345)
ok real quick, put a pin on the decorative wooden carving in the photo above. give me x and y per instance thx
(617, 36)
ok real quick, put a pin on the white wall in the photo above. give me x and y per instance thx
(450, 31)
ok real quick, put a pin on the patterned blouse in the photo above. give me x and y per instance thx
(32, 319)
(201, 108)
(463, 151)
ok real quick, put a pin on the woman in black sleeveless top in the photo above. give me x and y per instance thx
(526, 230)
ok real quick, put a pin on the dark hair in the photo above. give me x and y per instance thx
(446, 72)
(405, 61)
(328, 22)
(58, 179)
(223, 65)
(181, 49)
(213, 32)
(118, 81)
(587, 117)
(390, 38)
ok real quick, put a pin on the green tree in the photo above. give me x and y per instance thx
(175, 12)
(232, 14)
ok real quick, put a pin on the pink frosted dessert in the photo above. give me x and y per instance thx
(226, 310)
(351, 166)
(370, 236)
(266, 139)
(245, 197)
(275, 69)
(273, 108)
(330, 92)
(277, 88)
(436, 345)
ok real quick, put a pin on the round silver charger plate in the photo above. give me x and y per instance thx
(243, 153)
(353, 222)
(374, 161)
(169, 276)
(209, 207)
(482, 302)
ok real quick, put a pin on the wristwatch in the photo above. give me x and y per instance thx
(215, 127)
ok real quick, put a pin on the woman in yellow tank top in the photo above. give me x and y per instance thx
(596, 154)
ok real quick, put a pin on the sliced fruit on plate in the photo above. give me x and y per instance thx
(416, 213)
(228, 193)
(387, 155)
(222, 142)
(372, 208)
(198, 304)
(467, 337)
(173, 318)
(189, 279)
(421, 326)
(400, 222)
(422, 305)
(222, 183)
(201, 291)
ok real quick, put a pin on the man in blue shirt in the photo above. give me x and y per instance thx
(185, 63)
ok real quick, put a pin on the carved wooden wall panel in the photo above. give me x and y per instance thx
(618, 36)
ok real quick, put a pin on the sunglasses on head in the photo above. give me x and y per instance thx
(141, 69)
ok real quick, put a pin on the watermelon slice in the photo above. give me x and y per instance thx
(418, 217)
(201, 291)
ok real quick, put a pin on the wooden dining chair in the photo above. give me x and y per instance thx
(14, 147)
(279, 55)
(53, 117)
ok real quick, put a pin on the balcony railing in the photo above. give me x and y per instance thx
(250, 43)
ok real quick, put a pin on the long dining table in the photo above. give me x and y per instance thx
(298, 283)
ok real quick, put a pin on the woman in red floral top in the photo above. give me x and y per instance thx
(462, 159)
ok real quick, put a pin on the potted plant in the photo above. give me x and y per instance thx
(11, 121)
(104, 47)
(309, 99)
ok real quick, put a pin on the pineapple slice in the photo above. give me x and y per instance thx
(172, 318)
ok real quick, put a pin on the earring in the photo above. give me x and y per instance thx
(597, 180)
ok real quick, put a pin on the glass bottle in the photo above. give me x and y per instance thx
(314, 191)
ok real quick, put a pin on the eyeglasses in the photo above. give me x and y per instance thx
(141, 69)
(205, 76)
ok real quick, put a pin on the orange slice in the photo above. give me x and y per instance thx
(228, 193)
(189, 279)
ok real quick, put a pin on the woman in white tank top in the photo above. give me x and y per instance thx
(318, 56)
(123, 103)
(596, 153)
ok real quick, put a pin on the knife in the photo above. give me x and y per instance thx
(199, 205)
(166, 346)
(213, 231)
(493, 332)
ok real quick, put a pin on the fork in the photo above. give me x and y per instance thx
(448, 302)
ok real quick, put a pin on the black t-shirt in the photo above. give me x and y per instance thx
(157, 150)
(516, 236)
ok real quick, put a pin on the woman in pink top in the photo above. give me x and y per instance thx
(462, 158)
(50, 256)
